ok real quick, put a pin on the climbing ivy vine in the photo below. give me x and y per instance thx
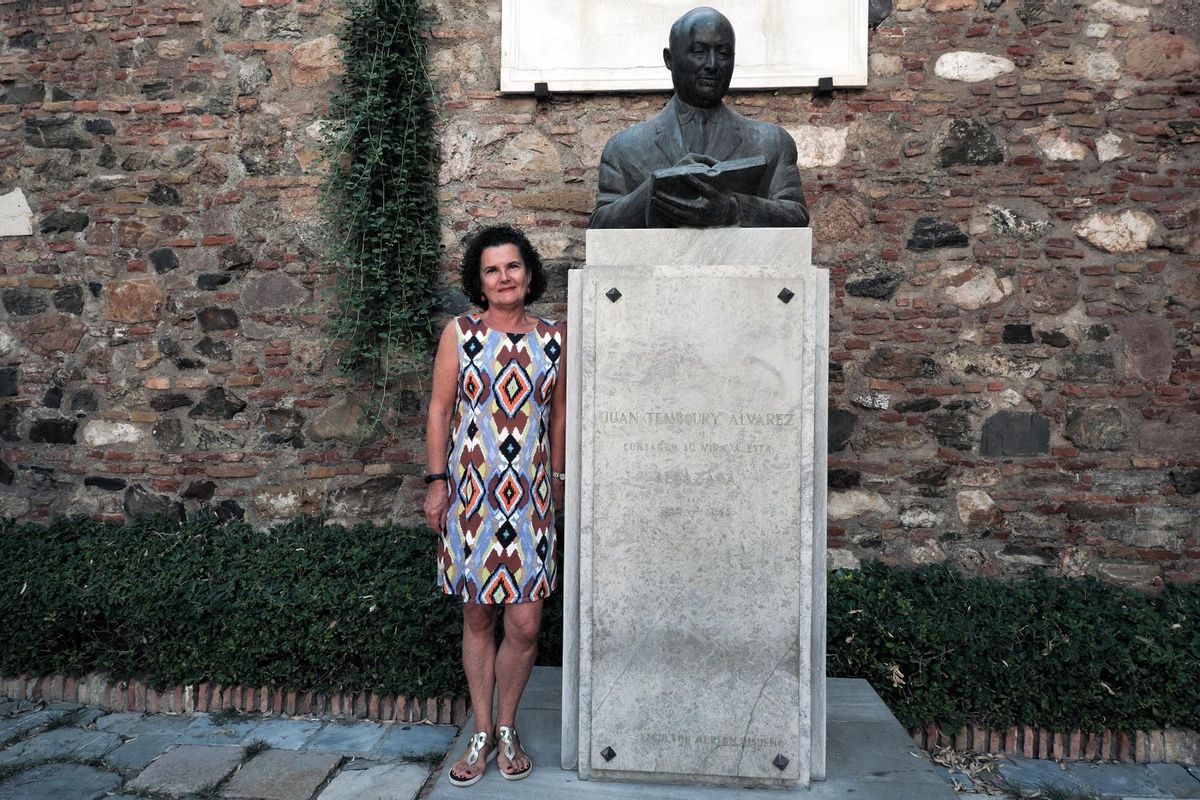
(380, 189)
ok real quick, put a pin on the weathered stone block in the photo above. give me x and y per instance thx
(283, 426)
(1157, 56)
(83, 400)
(974, 287)
(1015, 433)
(272, 291)
(23, 302)
(215, 349)
(843, 478)
(53, 431)
(102, 433)
(1087, 367)
(919, 406)
(134, 301)
(287, 502)
(165, 402)
(163, 195)
(53, 333)
(1150, 348)
(1054, 338)
(140, 502)
(10, 422)
(105, 483)
(841, 426)
(1186, 481)
(1123, 232)
(199, 490)
(9, 381)
(56, 133)
(216, 404)
(963, 65)
(209, 281)
(164, 259)
(212, 318)
(69, 298)
(374, 498)
(895, 363)
(62, 221)
(1016, 224)
(929, 233)
(969, 142)
(1017, 334)
(951, 426)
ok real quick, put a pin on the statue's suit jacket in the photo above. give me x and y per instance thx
(633, 154)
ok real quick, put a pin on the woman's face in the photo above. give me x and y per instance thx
(504, 276)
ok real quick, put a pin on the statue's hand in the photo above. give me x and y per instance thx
(710, 208)
(697, 158)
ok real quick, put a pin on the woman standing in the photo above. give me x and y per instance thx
(495, 450)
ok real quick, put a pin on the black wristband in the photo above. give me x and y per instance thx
(436, 476)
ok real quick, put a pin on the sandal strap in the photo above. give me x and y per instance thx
(508, 736)
(479, 740)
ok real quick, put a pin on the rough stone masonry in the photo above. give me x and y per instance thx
(1010, 212)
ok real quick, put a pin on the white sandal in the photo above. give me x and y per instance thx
(510, 742)
(479, 740)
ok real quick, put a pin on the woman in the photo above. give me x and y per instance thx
(496, 436)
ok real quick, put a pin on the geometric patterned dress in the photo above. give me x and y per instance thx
(499, 541)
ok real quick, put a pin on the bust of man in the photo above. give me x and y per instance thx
(697, 129)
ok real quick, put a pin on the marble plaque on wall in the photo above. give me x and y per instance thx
(695, 533)
(588, 46)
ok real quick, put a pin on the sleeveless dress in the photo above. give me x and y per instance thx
(499, 541)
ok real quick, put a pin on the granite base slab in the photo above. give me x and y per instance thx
(870, 757)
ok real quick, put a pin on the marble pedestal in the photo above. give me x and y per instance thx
(694, 575)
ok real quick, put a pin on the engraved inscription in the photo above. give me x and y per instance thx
(710, 418)
(717, 740)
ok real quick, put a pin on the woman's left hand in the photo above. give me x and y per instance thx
(558, 493)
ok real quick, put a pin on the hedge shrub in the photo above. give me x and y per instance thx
(310, 607)
(1062, 654)
(302, 606)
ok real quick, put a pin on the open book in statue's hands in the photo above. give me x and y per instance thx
(739, 175)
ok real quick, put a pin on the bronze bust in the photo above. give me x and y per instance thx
(694, 144)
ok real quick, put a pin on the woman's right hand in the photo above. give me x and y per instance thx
(437, 501)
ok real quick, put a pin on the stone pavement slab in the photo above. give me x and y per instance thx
(281, 775)
(135, 754)
(862, 764)
(1176, 780)
(203, 730)
(119, 722)
(1125, 780)
(159, 724)
(284, 734)
(59, 782)
(14, 727)
(413, 741)
(383, 782)
(1033, 773)
(188, 769)
(61, 744)
(357, 738)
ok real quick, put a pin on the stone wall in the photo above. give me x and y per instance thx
(1009, 212)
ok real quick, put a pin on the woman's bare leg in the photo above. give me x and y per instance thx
(479, 664)
(514, 663)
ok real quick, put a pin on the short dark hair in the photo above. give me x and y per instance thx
(495, 236)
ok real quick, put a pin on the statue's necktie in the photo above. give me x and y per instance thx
(696, 133)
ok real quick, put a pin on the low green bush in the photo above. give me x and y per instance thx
(1063, 654)
(310, 607)
(302, 606)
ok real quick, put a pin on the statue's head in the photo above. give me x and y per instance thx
(700, 56)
